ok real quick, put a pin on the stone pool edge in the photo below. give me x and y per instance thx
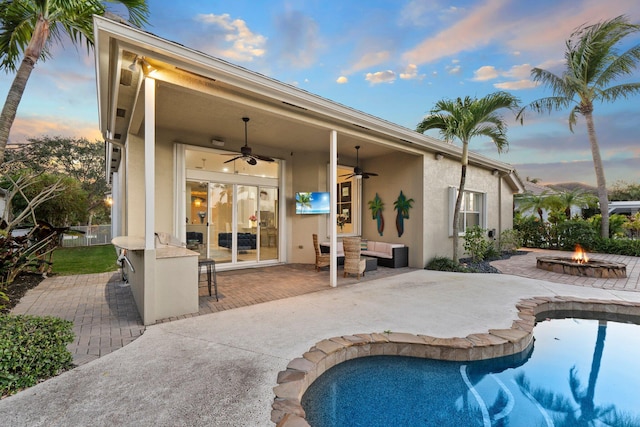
(301, 372)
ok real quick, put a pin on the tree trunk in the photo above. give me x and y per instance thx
(456, 209)
(32, 53)
(603, 197)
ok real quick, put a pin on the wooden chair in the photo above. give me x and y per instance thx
(322, 260)
(353, 264)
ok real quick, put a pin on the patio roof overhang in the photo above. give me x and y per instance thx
(201, 98)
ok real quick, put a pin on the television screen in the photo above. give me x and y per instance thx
(312, 203)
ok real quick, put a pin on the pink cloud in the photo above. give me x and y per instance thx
(33, 127)
(479, 28)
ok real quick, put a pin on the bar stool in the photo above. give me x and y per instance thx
(210, 266)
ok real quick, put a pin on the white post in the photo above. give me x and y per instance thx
(333, 183)
(149, 270)
(149, 162)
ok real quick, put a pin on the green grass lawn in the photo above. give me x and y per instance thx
(84, 260)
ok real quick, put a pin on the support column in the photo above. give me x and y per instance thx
(149, 271)
(333, 183)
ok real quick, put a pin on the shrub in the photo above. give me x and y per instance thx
(616, 224)
(32, 349)
(533, 232)
(626, 247)
(510, 241)
(444, 264)
(475, 243)
(492, 252)
(576, 231)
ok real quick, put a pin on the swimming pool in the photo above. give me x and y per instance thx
(578, 373)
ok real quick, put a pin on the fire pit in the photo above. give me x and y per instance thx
(581, 265)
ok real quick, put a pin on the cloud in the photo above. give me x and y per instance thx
(411, 73)
(478, 28)
(342, 80)
(516, 85)
(35, 126)
(520, 72)
(368, 60)
(378, 77)
(581, 171)
(297, 39)
(507, 26)
(231, 39)
(453, 69)
(484, 73)
(421, 13)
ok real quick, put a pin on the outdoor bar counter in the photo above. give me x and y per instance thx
(164, 280)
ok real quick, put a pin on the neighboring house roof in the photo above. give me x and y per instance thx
(537, 189)
(626, 207)
(296, 117)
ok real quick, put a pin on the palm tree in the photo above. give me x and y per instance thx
(565, 200)
(592, 63)
(303, 200)
(27, 28)
(464, 119)
(535, 202)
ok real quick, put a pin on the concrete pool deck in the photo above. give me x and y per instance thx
(220, 369)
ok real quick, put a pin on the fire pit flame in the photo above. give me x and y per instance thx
(580, 256)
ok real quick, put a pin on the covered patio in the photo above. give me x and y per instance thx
(216, 155)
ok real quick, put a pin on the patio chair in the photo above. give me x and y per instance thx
(322, 260)
(353, 263)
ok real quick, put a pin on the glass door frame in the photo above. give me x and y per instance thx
(182, 175)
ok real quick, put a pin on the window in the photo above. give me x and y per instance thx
(472, 210)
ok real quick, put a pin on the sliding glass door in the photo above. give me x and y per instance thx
(233, 223)
(231, 208)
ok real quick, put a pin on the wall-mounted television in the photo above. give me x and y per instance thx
(312, 203)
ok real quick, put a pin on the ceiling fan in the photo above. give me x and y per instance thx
(357, 171)
(245, 151)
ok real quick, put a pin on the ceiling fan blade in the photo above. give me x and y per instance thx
(235, 158)
(370, 173)
(263, 158)
(251, 161)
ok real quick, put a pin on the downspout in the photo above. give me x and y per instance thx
(499, 208)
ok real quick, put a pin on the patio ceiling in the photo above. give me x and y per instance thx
(200, 98)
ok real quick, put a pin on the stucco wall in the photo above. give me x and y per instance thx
(134, 220)
(396, 172)
(164, 187)
(310, 172)
(442, 174)
(165, 204)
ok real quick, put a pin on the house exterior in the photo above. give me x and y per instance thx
(173, 121)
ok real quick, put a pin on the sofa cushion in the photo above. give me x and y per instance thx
(383, 247)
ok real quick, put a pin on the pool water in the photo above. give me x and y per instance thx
(578, 373)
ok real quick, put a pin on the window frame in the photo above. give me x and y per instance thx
(482, 222)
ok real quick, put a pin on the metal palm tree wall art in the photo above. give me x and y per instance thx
(402, 206)
(376, 205)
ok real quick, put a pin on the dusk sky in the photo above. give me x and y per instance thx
(392, 59)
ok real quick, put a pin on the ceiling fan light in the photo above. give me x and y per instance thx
(357, 176)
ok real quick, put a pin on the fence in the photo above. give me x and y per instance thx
(87, 236)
